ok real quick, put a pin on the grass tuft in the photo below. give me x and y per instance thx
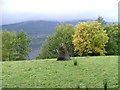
(78, 86)
(105, 84)
(75, 63)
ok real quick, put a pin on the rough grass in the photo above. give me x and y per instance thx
(90, 72)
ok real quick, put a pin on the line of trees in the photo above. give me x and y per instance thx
(86, 38)
(15, 46)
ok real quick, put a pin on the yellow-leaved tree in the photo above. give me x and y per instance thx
(89, 37)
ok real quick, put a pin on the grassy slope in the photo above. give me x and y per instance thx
(90, 72)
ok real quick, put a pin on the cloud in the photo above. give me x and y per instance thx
(60, 8)
(58, 5)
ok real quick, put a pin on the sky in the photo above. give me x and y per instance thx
(14, 11)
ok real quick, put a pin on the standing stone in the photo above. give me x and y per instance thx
(62, 52)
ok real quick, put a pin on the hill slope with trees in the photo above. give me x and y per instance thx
(39, 30)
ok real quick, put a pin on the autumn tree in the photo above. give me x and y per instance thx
(90, 37)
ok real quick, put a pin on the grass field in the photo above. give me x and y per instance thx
(89, 72)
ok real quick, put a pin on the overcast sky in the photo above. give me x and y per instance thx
(23, 10)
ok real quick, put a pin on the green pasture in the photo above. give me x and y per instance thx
(90, 71)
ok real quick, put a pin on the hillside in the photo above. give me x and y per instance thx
(37, 27)
(91, 72)
(33, 27)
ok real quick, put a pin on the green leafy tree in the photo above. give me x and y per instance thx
(112, 45)
(101, 20)
(90, 37)
(8, 45)
(14, 46)
(44, 52)
(63, 34)
(22, 45)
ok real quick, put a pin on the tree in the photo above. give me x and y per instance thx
(44, 51)
(63, 34)
(90, 37)
(22, 45)
(8, 45)
(112, 45)
(101, 20)
(14, 46)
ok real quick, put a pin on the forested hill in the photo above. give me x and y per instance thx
(33, 27)
(38, 26)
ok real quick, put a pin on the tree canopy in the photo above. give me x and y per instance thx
(90, 37)
(15, 46)
(112, 45)
(101, 20)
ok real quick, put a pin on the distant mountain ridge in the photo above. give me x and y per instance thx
(39, 26)
(32, 27)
